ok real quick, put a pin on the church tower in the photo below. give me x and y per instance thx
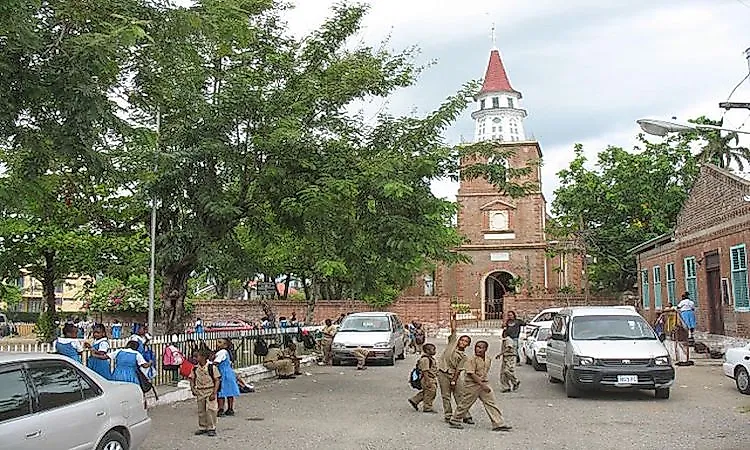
(506, 236)
(498, 114)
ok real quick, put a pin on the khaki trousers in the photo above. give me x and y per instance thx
(469, 396)
(427, 394)
(326, 344)
(361, 355)
(207, 411)
(283, 367)
(444, 381)
(508, 379)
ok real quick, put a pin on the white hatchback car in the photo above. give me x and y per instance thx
(737, 366)
(48, 401)
(534, 348)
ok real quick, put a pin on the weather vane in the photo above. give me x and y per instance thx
(494, 41)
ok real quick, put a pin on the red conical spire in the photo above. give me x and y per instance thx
(496, 80)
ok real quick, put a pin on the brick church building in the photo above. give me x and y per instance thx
(507, 243)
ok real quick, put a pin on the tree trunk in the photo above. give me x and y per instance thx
(310, 299)
(286, 285)
(48, 284)
(173, 299)
(221, 287)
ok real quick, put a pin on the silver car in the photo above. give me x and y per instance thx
(48, 401)
(380, 332)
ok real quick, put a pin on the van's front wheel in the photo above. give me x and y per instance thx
(570, 388)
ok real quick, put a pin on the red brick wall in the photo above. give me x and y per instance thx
(714, 218)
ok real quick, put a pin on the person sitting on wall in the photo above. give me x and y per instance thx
(276, 361)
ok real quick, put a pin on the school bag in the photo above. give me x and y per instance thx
(172, 356)
(415, 377)
(419, 336)
(210, 373)
(261, 347)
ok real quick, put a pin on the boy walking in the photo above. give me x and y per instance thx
(508, 380)
(450, 366)
(428, 370)
(476, 386)
(204, 383)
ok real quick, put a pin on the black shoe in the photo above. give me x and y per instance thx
(515, 386)
(414, 405)
(505, 391)
(456, 425)
(298, 373)
(211, 433)
(220, 413)
(430, 411)
(503, 428)
(201, 432)
(469, 421)
(230, 412)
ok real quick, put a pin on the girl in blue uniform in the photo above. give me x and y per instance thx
(127, 362)
(116, 330)
(229, 387)
(68, 345)
(99, 359)
(199, 327)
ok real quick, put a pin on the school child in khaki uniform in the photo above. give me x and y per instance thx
(204, 382)
(275, 360)
(361, 354)
(450, 366)
(329, 331)
(291, 354)
(477, 369)
(508, 380)
(428, 369)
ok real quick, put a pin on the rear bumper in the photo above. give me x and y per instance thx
(138, 432)
(649, 377)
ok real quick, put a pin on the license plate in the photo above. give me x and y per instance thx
(627, 379)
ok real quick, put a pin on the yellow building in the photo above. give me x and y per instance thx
(66, 294)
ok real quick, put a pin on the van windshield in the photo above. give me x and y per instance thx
(375, 323)
(593, 328)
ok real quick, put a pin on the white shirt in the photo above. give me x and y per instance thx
(72, 341)
(138, 357)
(686, 305)
(138, 338)
(104, 346)
(221, 355)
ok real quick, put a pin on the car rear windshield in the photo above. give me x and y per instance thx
(365, 324)
(593, 328)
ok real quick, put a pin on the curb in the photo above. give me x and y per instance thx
(248, 374)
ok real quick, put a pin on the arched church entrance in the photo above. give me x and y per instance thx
(496, 286)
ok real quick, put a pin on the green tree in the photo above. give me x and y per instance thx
(718, 147)
(625, 199)
(59, 131)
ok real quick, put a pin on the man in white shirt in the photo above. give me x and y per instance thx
(686, 307)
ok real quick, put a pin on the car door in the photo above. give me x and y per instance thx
(20, 429)
(396, 336)
(528, 344)
(70, 405)
(556, 348)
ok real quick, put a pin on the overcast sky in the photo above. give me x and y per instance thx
(587, 68)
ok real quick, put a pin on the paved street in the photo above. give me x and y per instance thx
(341, 408)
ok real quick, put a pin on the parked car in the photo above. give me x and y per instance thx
(48, 401)
(607, 347)
(534, 348)
(542, 319)
(381, 332)
(7, 328)
(737, 367)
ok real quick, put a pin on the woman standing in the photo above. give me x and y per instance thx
(98, 361)
(229, 387)
(513, 326)
(127, 361)
(69, 345)
(329, 331)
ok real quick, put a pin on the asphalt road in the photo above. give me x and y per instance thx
(341, 408)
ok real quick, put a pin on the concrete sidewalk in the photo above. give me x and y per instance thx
(172, 394)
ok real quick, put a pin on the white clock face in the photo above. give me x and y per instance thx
(496, 120)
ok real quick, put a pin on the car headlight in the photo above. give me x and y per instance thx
(542, 351)
(382, 345)
(338, 345)
(662, 361)
(582, 360)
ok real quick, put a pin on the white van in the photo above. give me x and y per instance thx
(607, 347)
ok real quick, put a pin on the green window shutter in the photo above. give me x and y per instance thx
(738, 255)
(644, 289)
(691, 280)
(671, 284)
(657, 287)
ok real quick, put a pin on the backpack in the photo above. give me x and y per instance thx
(415, 377)
(261, 347)
(419, 336)
(210, 372)
(172, 356)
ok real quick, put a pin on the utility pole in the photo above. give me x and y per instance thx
(585, 262)
(152, 266)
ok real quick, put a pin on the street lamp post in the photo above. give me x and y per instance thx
(152, 265)
(663, 127)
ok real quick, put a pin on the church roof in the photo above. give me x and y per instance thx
(496, 79)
